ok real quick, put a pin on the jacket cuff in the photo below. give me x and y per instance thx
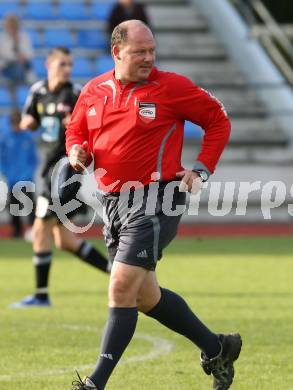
(199, 166)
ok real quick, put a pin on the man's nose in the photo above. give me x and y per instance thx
(149, 57)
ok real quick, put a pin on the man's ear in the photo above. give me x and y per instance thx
(116, 52)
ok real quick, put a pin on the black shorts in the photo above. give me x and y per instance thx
(137, 236)
(55, 193)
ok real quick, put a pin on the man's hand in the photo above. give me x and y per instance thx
(66, 119)
(28, 122)
(190, 181)
(21, 58)
(79, 156)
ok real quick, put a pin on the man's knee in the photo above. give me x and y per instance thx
(142, 305)
(61, 244)
(40, 229)
(146, 302)
(42, 234)
(121, 292)
(125, 283)
(65, 240)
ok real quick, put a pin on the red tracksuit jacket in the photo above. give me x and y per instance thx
(137, 129)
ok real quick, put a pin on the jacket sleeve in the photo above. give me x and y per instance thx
(194, 104)
(76, 130)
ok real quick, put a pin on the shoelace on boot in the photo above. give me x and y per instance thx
(77, 383)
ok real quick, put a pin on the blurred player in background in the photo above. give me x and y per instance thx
(126, 10)
(49, 106)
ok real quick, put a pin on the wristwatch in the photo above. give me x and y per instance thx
(202, 174)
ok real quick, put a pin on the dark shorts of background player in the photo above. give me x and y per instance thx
(65, 194)
(135, 238)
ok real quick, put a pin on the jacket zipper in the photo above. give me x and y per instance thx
(121, 93)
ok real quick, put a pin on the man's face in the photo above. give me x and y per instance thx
(11, 24)
(135, 59)
(60, 67)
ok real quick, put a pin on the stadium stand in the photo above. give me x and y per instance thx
(103, 64)
(35, 11)
(56, 36)
(101, 10)
(36, 38)
(89, 40)
(21, 94)
(9, 7)
(39, 66)
(73, 11)
(4, 124)
(83, 67)
(185, 44)
(5, 98)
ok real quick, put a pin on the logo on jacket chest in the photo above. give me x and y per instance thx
(147, 112)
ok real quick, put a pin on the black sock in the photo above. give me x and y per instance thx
(173, 312)
(92, 256)
(16, 223)
(118, 333)
(42, 262)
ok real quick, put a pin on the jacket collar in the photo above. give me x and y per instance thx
(152, 77)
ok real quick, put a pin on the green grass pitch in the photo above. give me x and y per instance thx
(233, 284)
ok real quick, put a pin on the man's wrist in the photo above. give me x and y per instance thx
(201, 170)
(203, 175)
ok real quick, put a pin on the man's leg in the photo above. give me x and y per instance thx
(16, 224)
(66, 240)
(15, 219)
(31, 216)
(125, 282)
(42, 258)
(218, 351)
(172, 311)
(28, 234)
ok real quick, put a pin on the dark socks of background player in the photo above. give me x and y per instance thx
(42, 260)
(118, 332)
(92, 256)
(173, 312)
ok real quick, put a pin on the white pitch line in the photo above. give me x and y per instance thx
(159, 348)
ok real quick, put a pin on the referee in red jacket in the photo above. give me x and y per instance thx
(130, 121)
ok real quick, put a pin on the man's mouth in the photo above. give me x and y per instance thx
(146, 67)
